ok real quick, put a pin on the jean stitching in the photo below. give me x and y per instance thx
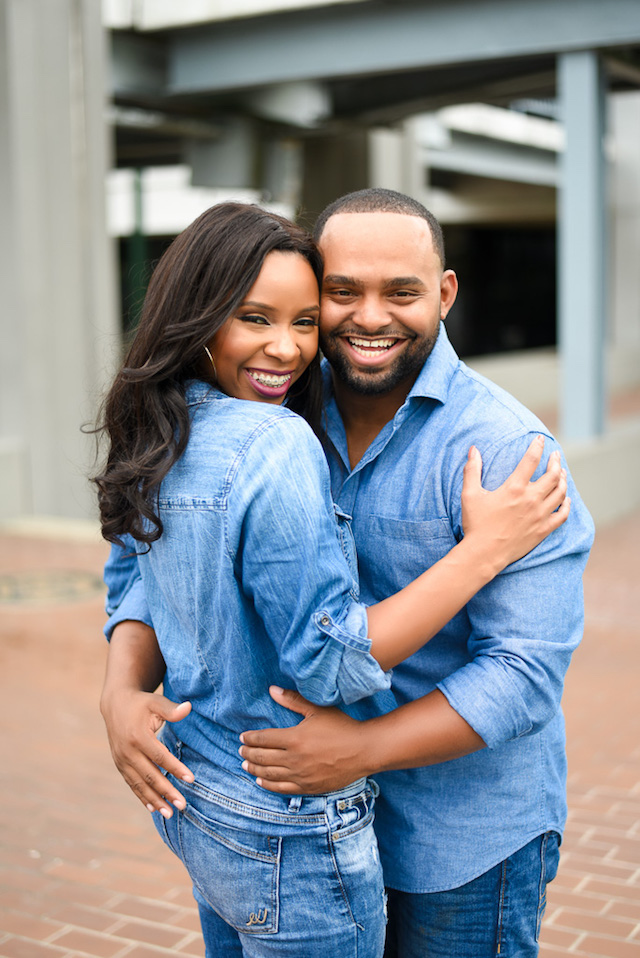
(251, 811)
(272, 860)
(343, 890)
(501, 906)
(542, 889)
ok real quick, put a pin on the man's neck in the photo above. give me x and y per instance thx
(365, 416)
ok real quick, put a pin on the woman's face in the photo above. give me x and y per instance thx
(273, 335)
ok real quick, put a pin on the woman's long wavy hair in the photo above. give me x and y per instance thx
(196, 286)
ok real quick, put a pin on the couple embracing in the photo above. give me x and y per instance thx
(381, 543)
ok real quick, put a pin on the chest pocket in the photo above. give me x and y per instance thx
(348, 546)
(393, 552)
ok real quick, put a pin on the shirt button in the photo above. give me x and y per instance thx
(325, 620)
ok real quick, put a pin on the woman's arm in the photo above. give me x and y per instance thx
(133, 714)
(500, 527)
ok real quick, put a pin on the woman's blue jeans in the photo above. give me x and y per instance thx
(276, 875)
(497, 915)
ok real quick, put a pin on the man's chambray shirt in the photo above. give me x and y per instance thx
(250, 582)
(501, 662)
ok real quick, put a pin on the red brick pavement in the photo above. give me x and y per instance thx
(82, 872)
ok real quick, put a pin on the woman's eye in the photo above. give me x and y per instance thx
(307, 322)
(251, 318)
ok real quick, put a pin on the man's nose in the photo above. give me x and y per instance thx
(372, 315)
(282, 345)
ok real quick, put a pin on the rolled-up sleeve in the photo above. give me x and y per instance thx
(126, 599)
(524, 626)
(283, 535)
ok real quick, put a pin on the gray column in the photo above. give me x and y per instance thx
(59, 323)
(582, 247)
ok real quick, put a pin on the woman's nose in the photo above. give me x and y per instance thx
(282, 345)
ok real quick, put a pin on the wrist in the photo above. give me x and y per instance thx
(483, 557)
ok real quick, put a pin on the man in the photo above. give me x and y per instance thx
(469, 839)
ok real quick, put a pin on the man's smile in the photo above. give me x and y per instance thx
(373, 350)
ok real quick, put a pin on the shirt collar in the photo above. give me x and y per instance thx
(435, 376)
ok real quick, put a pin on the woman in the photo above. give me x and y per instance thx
(252, 581)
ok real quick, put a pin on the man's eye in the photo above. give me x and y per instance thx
(403, 293)
(341, 293)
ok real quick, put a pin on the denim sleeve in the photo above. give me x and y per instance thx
(125, 593)
(291, 565)
(524, 625)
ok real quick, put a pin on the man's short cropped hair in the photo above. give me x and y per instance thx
(378, 200)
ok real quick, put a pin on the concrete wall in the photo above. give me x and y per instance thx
(59, 323)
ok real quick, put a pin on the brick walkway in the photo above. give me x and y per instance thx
(82, 872)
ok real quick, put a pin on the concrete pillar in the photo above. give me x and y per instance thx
(582, 247)
(59, 321)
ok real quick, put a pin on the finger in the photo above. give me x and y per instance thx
(557, 495)
(264, 756)
(152, 788)
(270, 773)
(272, 738)
(530, 461)
(292, 700)
(472, 473)
(283, 788)
(551, 476)
(560, 515)
(175, 712)
(160, 755)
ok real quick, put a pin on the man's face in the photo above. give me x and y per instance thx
(383, 295)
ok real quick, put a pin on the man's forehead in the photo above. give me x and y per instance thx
(398, 237)
(374, 228)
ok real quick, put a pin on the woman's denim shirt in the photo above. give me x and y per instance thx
(252, 581)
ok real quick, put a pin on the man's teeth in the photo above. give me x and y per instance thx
(270, 379)
(365, 346)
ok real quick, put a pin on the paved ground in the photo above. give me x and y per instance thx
(82, 872)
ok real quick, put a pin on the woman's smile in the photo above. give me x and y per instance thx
(264, 348)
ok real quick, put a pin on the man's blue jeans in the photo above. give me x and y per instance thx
(275, 875)
(497, 915)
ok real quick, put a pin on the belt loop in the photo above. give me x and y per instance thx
(295, 803)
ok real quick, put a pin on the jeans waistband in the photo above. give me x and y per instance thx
(240, 793)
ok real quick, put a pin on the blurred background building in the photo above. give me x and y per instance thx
(516, 121)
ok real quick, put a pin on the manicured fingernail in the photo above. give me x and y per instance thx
(166, 812)
(540, 438)
(245, 766)
(180, 803)
(187, 778)
(150, 807)
(242, 738)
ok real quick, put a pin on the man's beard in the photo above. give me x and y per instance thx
(372, 381)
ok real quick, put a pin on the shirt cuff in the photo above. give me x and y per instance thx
(359, 674)
(133, 607)
(488, 699)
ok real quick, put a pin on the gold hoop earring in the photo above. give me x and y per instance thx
(215, 371)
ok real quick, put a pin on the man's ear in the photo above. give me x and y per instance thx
(448, 291)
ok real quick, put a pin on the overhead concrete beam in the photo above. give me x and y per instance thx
(367, 39)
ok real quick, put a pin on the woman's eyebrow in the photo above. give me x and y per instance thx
(256, 305)
(266, 307)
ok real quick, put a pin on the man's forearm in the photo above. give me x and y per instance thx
(423, 732)
(328, 749)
